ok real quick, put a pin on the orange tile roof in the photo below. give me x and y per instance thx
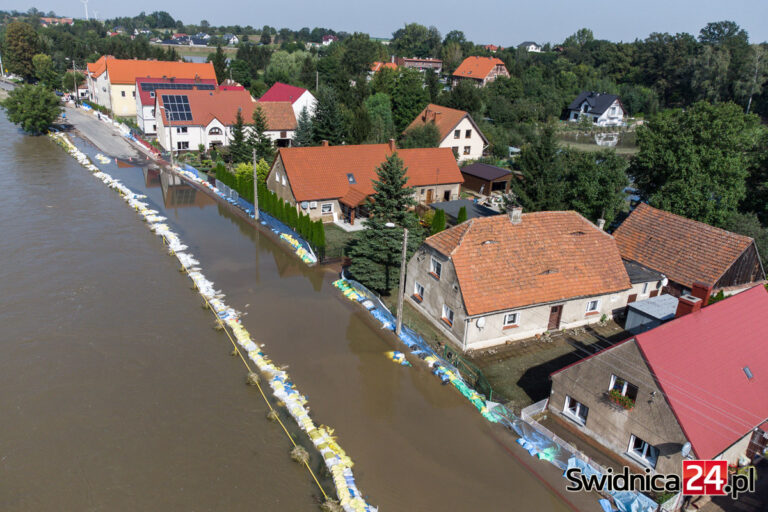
(547, 257)
(321, 172)
(125, 71)
(684, 250)
(376, 66)
(98, 67)
(477, 67)
(223, 105)
(445, 118)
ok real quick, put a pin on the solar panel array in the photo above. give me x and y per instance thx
(176, 107)
(151, 86)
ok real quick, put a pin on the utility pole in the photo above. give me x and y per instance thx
(400, 290)
(255, 188)
(2, 70)
(317, 80)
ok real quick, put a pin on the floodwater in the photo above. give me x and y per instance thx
(617, 139)
(117, 394)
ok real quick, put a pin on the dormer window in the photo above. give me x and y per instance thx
(351, 178)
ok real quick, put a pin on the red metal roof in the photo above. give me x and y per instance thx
(698, 361)
(148, 99)
(283, 92)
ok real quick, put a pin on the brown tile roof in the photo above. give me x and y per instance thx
(321, 172)
(376, 66)
(223, 105)
(684, 250)
(444, 118)
(477, 67)
(547, 257)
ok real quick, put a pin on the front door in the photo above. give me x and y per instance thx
(554, 317)
(430, 196)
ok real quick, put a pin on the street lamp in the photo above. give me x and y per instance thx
(170, 131)
(400, 291)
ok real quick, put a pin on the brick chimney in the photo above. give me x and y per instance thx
(701, 291)
(516, 215)
(392, 146)
(687, 304)
(325, 144)
(600, 224)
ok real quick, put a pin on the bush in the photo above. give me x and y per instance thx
(310, 230)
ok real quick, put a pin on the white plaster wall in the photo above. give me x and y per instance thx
(475, 142)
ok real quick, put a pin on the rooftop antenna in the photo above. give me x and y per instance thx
(85, 4)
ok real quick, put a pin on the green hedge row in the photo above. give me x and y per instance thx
(242, 183)
(310, 230)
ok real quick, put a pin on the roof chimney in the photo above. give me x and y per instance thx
(687, 304)
(516, 215)
(600, 224)
(325, 143)
(702, 291)
(392, 146)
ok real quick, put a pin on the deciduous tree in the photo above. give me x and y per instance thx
(21, 44)
(33, 107)
(424, 136)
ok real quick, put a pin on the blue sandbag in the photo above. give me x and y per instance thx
(606, 505)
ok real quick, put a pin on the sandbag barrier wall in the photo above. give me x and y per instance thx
(283, 389)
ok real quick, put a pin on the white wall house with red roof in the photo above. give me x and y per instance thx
(298, 97)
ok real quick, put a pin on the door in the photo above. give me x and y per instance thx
(653, 293)
(430, 196)
(632, 298)
(554, 317)
(757, 443)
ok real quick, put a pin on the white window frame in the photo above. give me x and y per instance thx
(436, 268)
(448, 315)
(326, 211)
(418, 290)
(284, 181)
(645, 288)
(624, 388)
(576, 417)
(513, 321)
(642, 455)
(179, 144)
(456, 134)
(181, 129)
(596, 302)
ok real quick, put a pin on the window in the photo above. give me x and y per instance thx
(351, 178)
(181, 129)
(435, 268)
(214, 131)
(593, 306)
(326, 208)
(447, 315)
(642, 451)
(152, 112)
(456, 134)
(134, 93)
(455, 150)
(154, 127)
(151, 94)
(467, 149)
(422, 191)
(623, 387)
(511, 320)
(284, 180)
(182, 145)
(468, 134)
(283, 135)
(418, 291)
(575, 410)
(645, 288)
(122, 93)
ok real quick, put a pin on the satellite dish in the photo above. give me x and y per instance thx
(480, 322)
(686, 449)
(304, 205)
(664, 281)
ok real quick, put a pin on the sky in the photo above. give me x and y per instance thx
(499, 22)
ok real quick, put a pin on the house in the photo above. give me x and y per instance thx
(530, 46)
(328, 39)
(333, 183)
(687, 251)
(458, 131)
(697, 379)
(202, 117)
(649, 313)
(486, 179)
(145, 100)
(480, 70)
(421, 64)
(504, 278)
(47, 22)
(493, 48)
(112, 82)
(298, 97)
(452, 208)
(601, 108)
(378, 66)
(231, 39)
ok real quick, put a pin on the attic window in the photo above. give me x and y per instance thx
(577, 233)
(351, 178)
(549, 271)
(489, 242)
(748, 373)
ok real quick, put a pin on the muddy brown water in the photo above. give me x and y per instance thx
(117, 394)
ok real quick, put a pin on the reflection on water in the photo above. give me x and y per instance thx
(621, 139)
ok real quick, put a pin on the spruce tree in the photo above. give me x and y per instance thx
(238, 149)
(258, 139)
(329, 123)
(462, 215)
(219, 61)
(438, 223)
(303, 135)
(376, 251)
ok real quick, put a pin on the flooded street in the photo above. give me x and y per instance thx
(117, 394)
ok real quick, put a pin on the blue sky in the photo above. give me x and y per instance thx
(483, 21)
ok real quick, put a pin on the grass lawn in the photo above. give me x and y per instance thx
(335, 240)
(198, 51)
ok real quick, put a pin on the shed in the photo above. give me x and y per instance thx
(485, 178)
(474, 210)
(644, 315)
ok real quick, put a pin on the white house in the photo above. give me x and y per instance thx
(458, 131)
(603, 109)
(298, 97)
(145, 99)
(199, 117)
(530, 46)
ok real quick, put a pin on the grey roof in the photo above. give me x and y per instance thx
(485, 171)
(598, 102)
(662, 307)
(640, 273)
(528, 43)
(474, 210)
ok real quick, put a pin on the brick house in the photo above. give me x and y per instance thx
(480, 70)
(497, 279)
(687, 251)
(458, 131)
(333, 183)
(699, 378)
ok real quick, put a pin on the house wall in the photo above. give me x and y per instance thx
(123, 106)
(497, 71)
(439, 192)
(100, 90)
(738, 449)
(746, 269)
(606, 119)
(651, 419)
(305, 100)
(476, 184)
(475, 142)
(145, 118)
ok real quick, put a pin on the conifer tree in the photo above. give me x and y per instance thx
(303, 135)
(438, 223)
(258, 139)
(238, 149)
(329, 123)
(462, 216)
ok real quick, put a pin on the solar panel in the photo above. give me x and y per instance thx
(151, 86)
(176, 107)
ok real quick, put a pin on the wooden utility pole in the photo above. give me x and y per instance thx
(400, 290)
(255, 188)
